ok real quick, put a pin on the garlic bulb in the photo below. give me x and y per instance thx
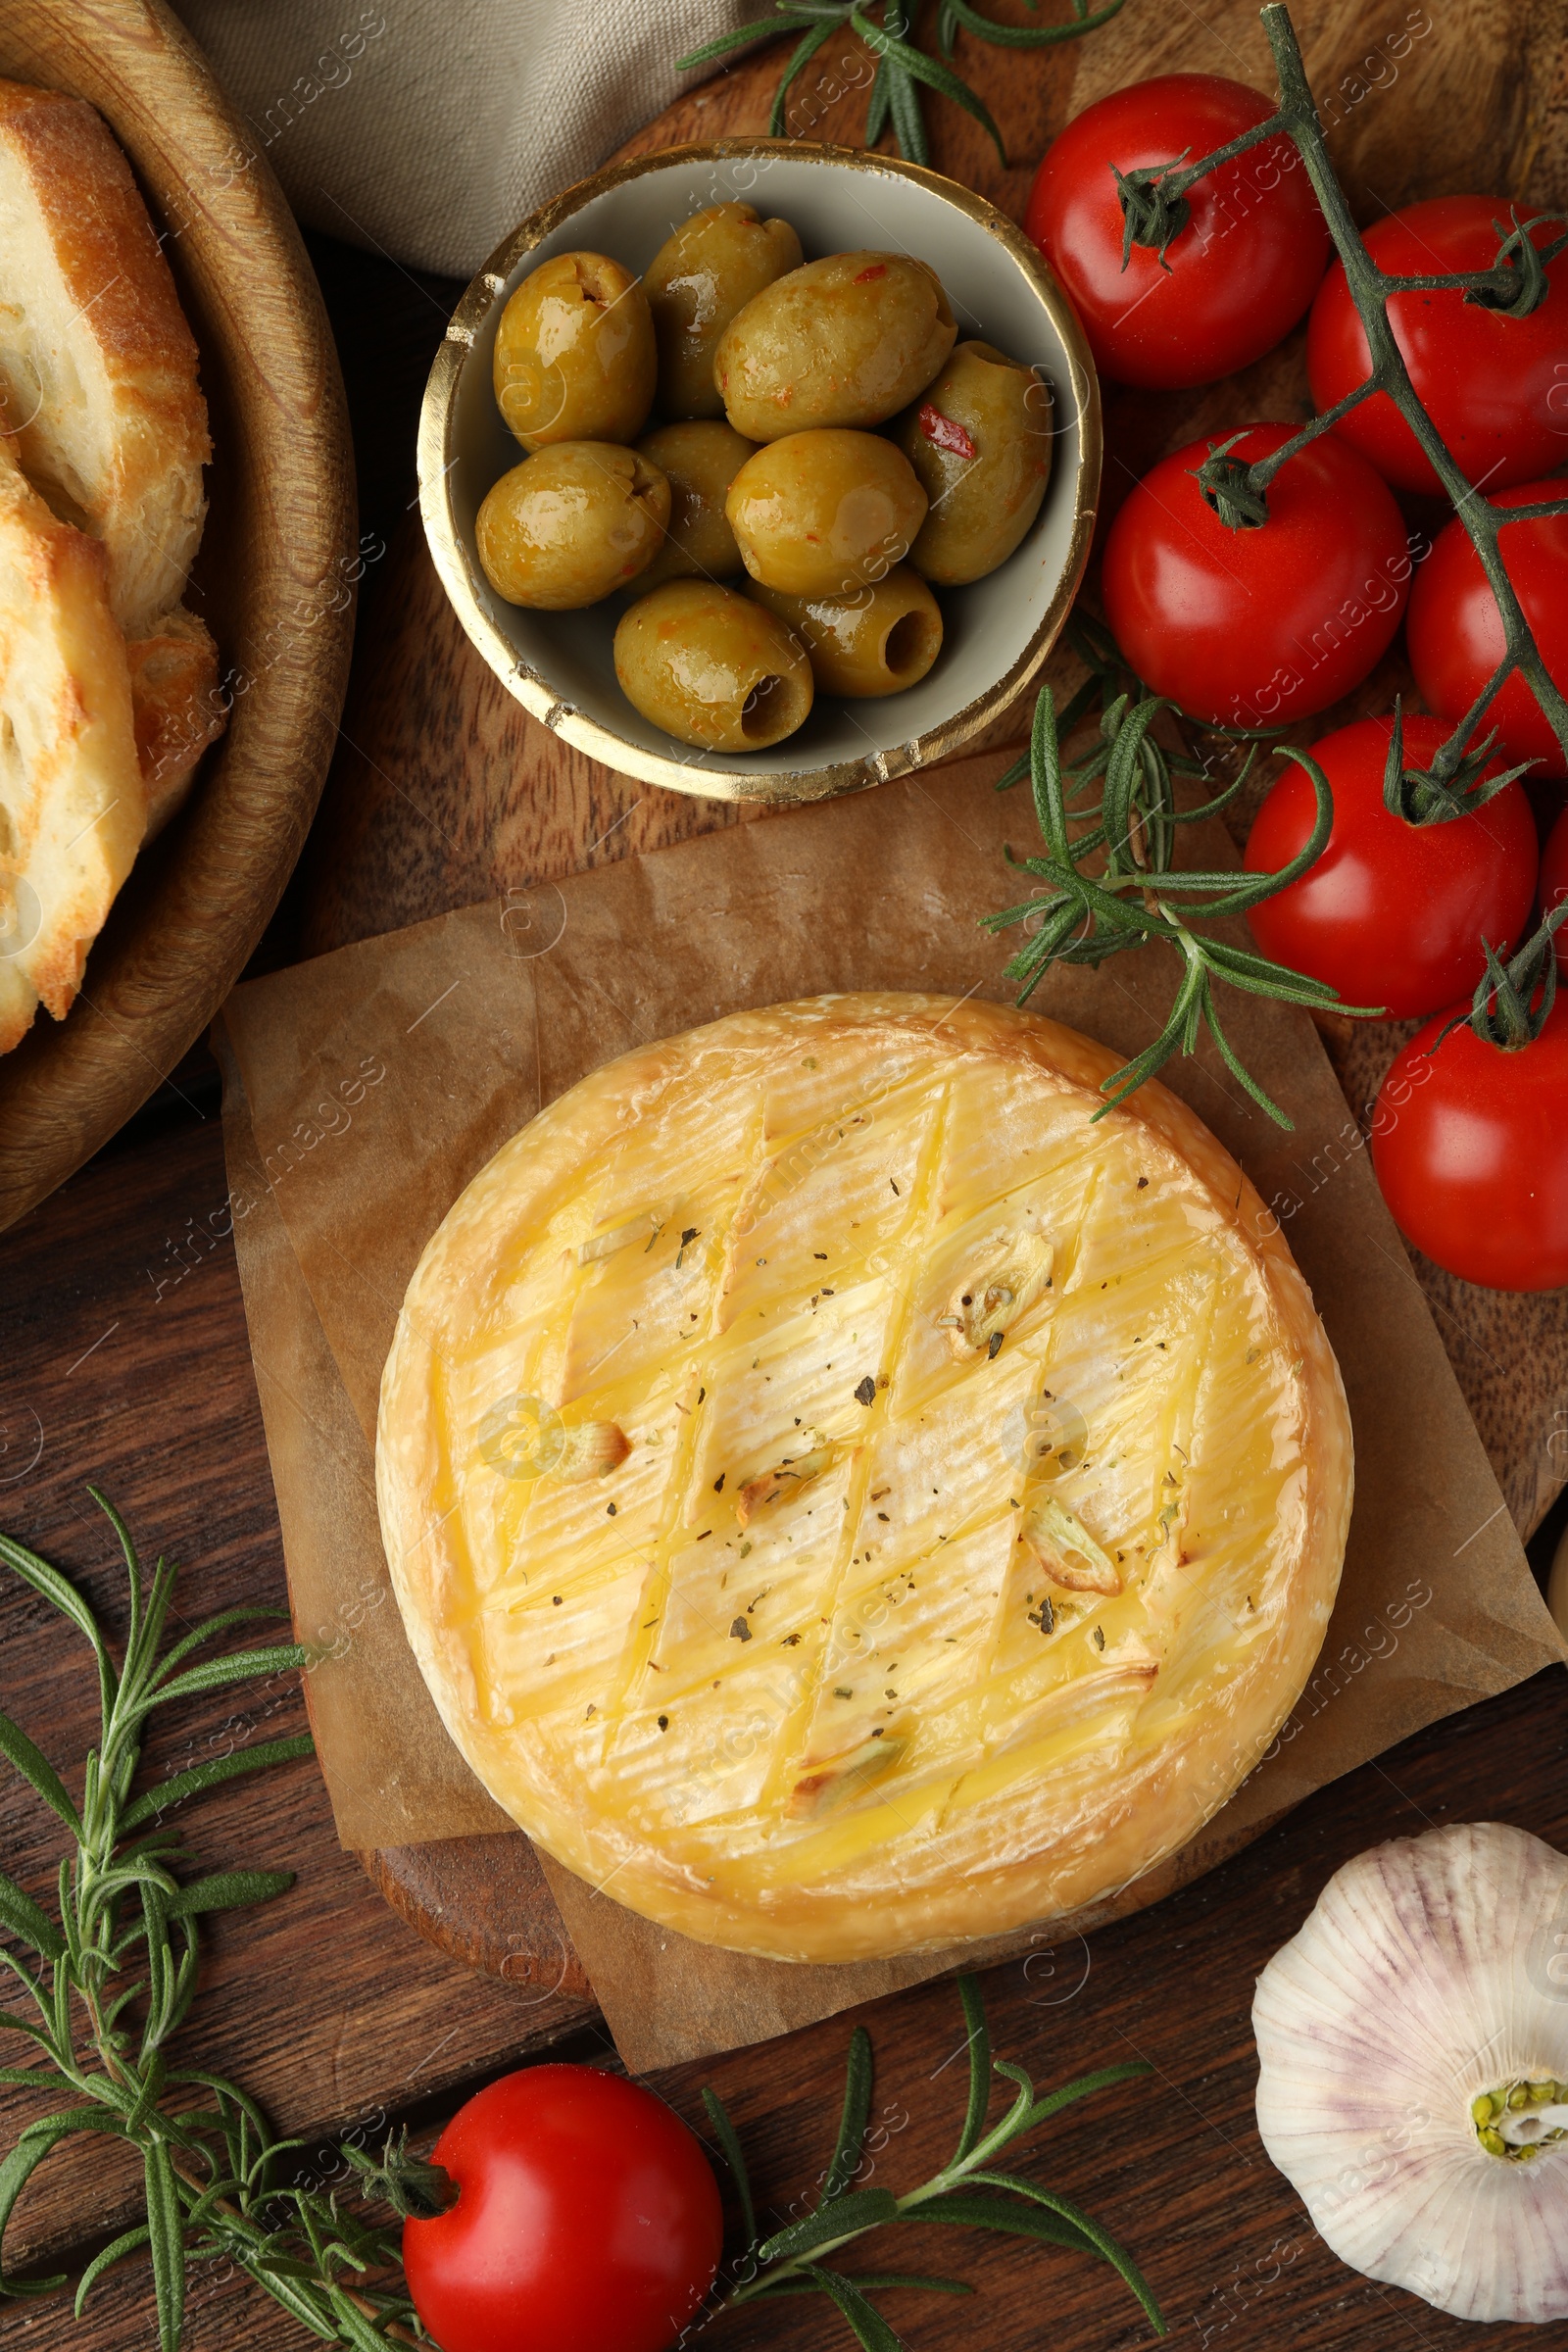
(1414, 2040)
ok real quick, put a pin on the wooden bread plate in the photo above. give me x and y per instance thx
(411, 827)
(274, 581)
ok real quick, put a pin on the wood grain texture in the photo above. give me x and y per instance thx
(126, 1362)
(275, 582)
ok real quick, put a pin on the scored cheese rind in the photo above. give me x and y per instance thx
(794, 1675)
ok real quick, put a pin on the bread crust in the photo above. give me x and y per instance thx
(1118, 1799)
(98, 367)
(72, 806)
(174, 692)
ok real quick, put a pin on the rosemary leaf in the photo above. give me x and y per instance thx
(202, 1777)
(869, 2282)
(35, 2143)
(227, 1890)
(974, 2016)
(166, 2244)
(128, 2242)
(240, 1666)
(53, 1587)
(1105, 2078)
(996, 2213)
(870, 2329)
(209, 1631)
(858, 2209)
(742, 36)
(880, 105)
(725, 2132)
(1064, 2209)
(936, 75)
(353, 2325)
(22, 1917)
(1027, 37)
(800, 57)
(858, 2081)
(35, 1768)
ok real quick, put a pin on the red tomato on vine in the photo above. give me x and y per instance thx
(1239, 273)
(1497, 388)
(1260, 626)
(1392, 913)
(1471, 1149)
(587, 2220)
(1456, 633)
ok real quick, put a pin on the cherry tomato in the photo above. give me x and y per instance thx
(1471, 1148)
(587, 2220)
(1554, 880)
(1496, 388)
(1239, 273)
(1392, 913)
(1254, 627)
(1456, 633)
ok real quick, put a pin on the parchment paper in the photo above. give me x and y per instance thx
(366, 1088)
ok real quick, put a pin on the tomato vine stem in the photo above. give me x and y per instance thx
(1511, 286)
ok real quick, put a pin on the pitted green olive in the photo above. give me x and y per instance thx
(700, 461)
(574, 356)
(847, 340)
(979, 438)
(712, 667)
(825, 514)
(876, 642)
(699, 278)
(570, 523)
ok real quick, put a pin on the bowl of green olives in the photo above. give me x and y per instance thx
(763, 470)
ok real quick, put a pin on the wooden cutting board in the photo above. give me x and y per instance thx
(445, 792)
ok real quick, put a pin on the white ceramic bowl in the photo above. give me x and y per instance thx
(998, 631)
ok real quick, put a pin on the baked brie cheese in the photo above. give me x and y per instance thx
(846, 1500)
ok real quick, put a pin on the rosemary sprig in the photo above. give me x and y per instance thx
(1110, 881)
(966, 2193)
(209, 2158)
(902, 68)
(112, 1982)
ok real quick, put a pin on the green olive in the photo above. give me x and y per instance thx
(825, 514)
(700, 462)
(699, 278)
(571, 524)
(876, 642)
(712, 667)
(574, 356)
(979, 438)
(847, 340)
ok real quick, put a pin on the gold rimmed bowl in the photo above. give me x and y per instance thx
(996, 632)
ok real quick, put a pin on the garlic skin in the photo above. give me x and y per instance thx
(1433, 1970)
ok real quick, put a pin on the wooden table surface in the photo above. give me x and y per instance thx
(124, 1361)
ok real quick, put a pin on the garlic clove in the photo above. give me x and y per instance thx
(825, 1786)
(591, 1450)
(772, 1485)
(1065, 1549)
(1006, 1274)
(1422, 1985)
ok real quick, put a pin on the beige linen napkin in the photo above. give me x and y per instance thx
(426, 129)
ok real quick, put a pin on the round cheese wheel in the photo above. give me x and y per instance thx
(844, 1500)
